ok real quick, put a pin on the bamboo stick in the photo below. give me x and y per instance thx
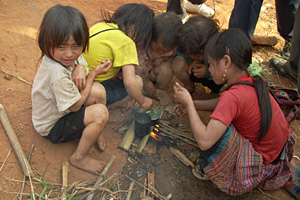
(15, 142)
(24, 178)
(64, 187)
(130, 191)
(181, 157)
(128, 137)
(144, 141)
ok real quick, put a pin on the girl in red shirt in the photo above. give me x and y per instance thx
(248, 142)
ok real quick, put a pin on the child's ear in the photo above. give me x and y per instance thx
(227, 60)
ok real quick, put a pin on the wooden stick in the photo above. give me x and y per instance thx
(15, 142)
(128, 137)
(178, 132)
(18, 77)
(130, 191)
(64, 187)
(144, 141)
(151, 181)
(181, 157)
(100, 178)
(10, 150)
(24, 178)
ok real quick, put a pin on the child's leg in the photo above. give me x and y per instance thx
(95, 119)
(163, 75)
(180, 70)
(97, 95)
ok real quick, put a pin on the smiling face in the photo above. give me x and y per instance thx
(67, 53)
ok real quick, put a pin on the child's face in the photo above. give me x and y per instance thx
(67, 53)
(158, 47)
(216, 69)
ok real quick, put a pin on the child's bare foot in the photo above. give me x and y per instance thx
(101, 142)
(162, 96)
(88, 164)
(149, 89)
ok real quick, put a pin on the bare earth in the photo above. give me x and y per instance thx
(19, 55)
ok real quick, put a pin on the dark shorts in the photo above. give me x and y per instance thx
(115, 90)
(68, 128)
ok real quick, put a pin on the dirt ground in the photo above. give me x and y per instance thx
(19, 55)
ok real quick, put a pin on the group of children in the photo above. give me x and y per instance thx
(133, 55)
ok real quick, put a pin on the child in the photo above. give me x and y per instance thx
(189, 66)
(248, 142)
(162, 52)
(60, 112)
(116, 39)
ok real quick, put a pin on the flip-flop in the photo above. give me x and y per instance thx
(199, 174)
(282, 69)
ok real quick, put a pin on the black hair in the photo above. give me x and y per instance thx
(58, 24)
(135, 20)
(236, 44)
(165, 29)
(194, 35)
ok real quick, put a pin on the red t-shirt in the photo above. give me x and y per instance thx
(239, 106)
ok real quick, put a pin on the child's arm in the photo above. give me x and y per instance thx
(132, 86)
(100, 69)
(79, 76)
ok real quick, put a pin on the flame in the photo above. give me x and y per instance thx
(155, 136)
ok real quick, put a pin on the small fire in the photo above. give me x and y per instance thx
(155, 136)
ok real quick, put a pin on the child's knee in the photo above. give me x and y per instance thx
(100, 113)
(179, 65)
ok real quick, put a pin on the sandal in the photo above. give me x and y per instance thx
(283, 69)
(200, 175)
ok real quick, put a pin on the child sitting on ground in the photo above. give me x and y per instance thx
(116, 39)
(189, 65)
(156, 71)
(61, 113)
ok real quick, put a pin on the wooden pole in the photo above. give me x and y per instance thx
(15, 142)
(181, 157)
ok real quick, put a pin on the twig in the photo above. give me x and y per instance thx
(5, 159)
(29, 175)
(153, 192)
(267, 194)
(18, 77)
(24, 178)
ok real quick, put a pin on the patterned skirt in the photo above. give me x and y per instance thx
(236, 168)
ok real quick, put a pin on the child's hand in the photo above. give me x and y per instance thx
(182, 95)
(179, 110)
(103, 68)
(198, 69)
(147, 103)
(78, 77)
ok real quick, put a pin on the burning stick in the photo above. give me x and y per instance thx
(15, 142)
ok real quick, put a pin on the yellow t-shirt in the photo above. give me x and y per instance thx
(112, 44)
